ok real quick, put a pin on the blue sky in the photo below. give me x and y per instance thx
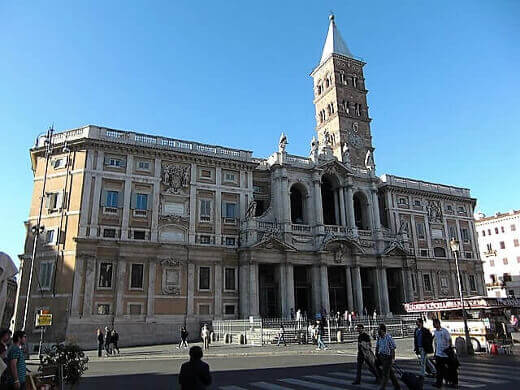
(443, 78)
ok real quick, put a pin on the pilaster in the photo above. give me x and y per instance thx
(191, 288)
(350, 292)
(342, 206)
(85, 198)
(79, 272)
(120, 285)
(152, 272)
(127, 197)
(218, 207)
(318, 207)
(325, 304)
(289, 272)
(193, 203)
(218, 290)
(253, 289)
(156, 200)
(98, 180)
(90, 280)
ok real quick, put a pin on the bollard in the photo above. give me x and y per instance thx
(242, 338)
(338, 336)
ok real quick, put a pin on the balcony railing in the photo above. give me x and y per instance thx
(301, 228)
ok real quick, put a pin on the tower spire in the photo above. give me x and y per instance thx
(334, 43)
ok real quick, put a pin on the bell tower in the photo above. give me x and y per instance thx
(340, 99)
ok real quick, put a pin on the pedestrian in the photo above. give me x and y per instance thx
(385, 354)
(281, 335)
(184, 338)
(292, 314)
(115, 342)
(423, 344)
(442, 340)
(100, 339)
(374, 316)
(319, 332)
(364, 355)
(108, 341)
(205, 336)
(16, 361)
(194, 375)
(5, 335)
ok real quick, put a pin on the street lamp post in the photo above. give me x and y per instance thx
(455, 248)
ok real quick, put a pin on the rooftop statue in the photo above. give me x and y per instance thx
(369, 161)
(282, 143)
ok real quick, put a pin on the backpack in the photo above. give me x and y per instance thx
(427, 340)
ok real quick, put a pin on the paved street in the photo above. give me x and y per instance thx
(272, 368)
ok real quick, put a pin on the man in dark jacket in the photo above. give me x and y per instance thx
(194, 375)
(100, 339)
(423, 344)
(364, 354)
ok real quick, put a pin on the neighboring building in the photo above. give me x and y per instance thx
(499, 246)
(8, 288)
(146, 232)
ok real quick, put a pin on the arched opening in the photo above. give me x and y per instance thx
(298, 211)
(329, 200)
(361, 211)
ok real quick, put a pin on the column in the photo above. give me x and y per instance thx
(388, 211)
(375, 207)
(455, 284)
(127, 197)
(428, 235)
(253, 289)
(85, 197)
(218, 290)
(407, 276)
(370, 211)
(90, 280)
(120, 285)
(342, 207)
(152, 272)
(98, 179)
(420, 287)
(318, 207)
(284, 194)
(350, 292)
(351, 222)
(316, 291)
(384, 291)
(243, 204)
(414, 233)
(244, 289)
(277, 201)
(336, 208)
(404, 284)
(193, 203)
(324, 287)
(356, 279)
(156, 200)
(283, 290)
(190, 288)
(79, 268)
(435, 284)
(290, 286)
(218, 207)
(473, 238)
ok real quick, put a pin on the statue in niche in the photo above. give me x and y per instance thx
(434, 211)
(403, 228)
(282, 143)
(251, 209)
(346, 153)
(175, 177)
(339, 254)
(327, 138)
(369, 161)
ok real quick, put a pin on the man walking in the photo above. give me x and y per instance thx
(194, 375)
(320, 332)
(205, 336)
(108, 341)
(442, 339)
(385, 353)
(100, 339)
(115, 341)
(184, 338)
(423, 344)
(364, 355)
(16, 360)
(281, 335)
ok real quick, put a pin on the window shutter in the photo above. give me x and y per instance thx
(224, 210)
(148, 202)
(133, 201)
(47, 200)
(120, 200)
(107, 160)
(104, 195)
(59, 200)
(123, 162)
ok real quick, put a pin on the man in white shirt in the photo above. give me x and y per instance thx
(442, 341)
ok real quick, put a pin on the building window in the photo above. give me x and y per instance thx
(204, 280)
(504, 260)
(461, 209)
(53, 200)
(45, 275)
(496, 230)
(230, 177)
(204, 309)
(114, 162)
(417, 202)
(135, 309)
(112, 199)
(449, 207)
(444, 282)
(427, 282)
(502, 229)
(472, 283)
(229, 279)
(424, 252)
(143, 165)
(491, 263)
(50, 237)
(203, 239)
(513, 228)
(515, 242)
(105, 275)
(103, 309)
(205, 173)
(439, 252)
(230, 241)
(139, 235)
(489, 232)
(452, 230)
(489, 247)
(483, 233)
(205, 210)
(141, 201)
(465, 235)
(502, 245)
(506, 277)
(420, 230)
(136, 276)
(109, 233)
(229, 310)
(403, 201)
(518, 259)
(230, 210)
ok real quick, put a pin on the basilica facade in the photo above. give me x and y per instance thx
(147, 233)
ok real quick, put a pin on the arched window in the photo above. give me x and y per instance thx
(298, 209)
(327, 82)
(332, 108)
(358, 109)
(342, 77)
(329, 186)
(361, 211)
(354, 81)
(347, 107)
(439, 251)
(319, 89)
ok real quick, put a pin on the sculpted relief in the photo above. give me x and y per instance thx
(175, 177)
(434, 211)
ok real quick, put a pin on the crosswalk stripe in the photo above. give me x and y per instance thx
(310, 385)
(352, 376)
(327, 379)
(231, 387)
(465, 374)
(269, 386)
(461, 383)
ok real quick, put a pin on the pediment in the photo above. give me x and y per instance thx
(343, 244)
(395, 249)
(334, 167)
(273, 243)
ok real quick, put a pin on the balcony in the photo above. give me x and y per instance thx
(301, 229)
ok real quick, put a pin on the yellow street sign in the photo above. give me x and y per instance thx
(43, 319)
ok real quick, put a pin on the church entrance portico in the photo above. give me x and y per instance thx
(268, 283)
(369, 288)
(337, 289)
(396, 296)
(303, 289)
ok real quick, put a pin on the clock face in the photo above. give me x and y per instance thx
(355, 140)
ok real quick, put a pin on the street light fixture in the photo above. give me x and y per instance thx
(455, 248)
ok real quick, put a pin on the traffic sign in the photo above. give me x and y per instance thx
(43, 319)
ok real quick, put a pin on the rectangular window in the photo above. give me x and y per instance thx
(496, 230)
(230, 241)
(53, 200)
(112, 199)
(444, 282)
(205, 173)
(205, 210)
(59, 163)
(483, 233)
(143, 165)
(45, 275)
(427, 282)
(105, 275)
(452, 230)
(449, 207)
(103, 309)
(204, 273)
(515, 242)
(461, 209)
(136, 278)
(403, 201)
(502, 245)
(229, 309)
(50, 237)
(465, 235)
(489, 232)
(420, 230)
(489, 247)
(204, 309)
(229, 276)
(135, 309)
(229, 177)
(502, 229)
(205, 239)
(230, 210)
(141, 201)
(417, 202)
(115, 162)
(173, 208)
(468, 255)
(139, 235)
(424, 252)
(506, 277)
(491, 263)
(513, 228)
(109, 233)
(504, 260)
